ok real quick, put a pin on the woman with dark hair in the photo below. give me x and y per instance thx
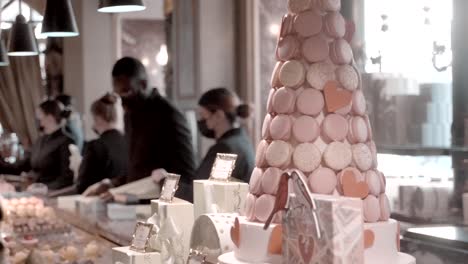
(106, 157)
(48, 160)
(219, 112)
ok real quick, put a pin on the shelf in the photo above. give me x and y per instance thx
(417, 150)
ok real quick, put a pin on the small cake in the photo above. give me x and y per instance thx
(91, 250)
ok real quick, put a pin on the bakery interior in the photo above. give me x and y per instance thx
(410, 56)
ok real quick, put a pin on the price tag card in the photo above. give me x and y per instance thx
(196, 257)
(171, 183)
(223, 167)
(141, 236)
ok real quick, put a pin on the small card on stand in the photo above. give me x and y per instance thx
(169, 188)
(141, 236)
(223, 167)
(196, 257)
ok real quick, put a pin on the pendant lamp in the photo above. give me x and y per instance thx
(120, 6)
(59, 19)
(22, 41)
(3, 55)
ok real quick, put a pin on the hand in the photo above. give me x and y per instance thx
(96, 189)
(158, 175)
(107, 197)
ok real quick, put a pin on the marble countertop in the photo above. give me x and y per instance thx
(445, 235)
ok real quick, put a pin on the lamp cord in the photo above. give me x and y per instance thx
(20, 6)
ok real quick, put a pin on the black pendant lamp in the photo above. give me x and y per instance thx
(59, 19)
(3, 55)
(22, 41)
(120, 6)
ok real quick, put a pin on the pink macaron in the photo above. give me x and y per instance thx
(249, 209)
(270, 180)
(275, 82)
(334, 25)
(371, 208)
(323, 181)
(255, 184)
(344, 110)
(266, 127)
(287, 48)
(358, 132)
(264, 206)
(271, 95)
(307, 157)
(315, 49)
(305, 129)
(292, 74)
(278, 153)
(286, 25)
(340, 52)
(297, 6)
(373, 181)
(320, 73)
(329, 5)
(384, 207)
(348, 76)
(338, 155)
(280, 127)
(284, 100)
(383, 181)
(334, 128)
(260, 158)
(369, 127)
(373, 149)
(359, 103)
(362, 156)
(358, 176)
(308, 23)
(310, 102)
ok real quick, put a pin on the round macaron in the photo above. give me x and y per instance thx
(384, 207)
(255, 184)
(271, 95)
(344, 110)
(359, 103)
(297, 6)
(249, 209)
(348, 77)
(357, 130)
(266, 127)
(278, 153)
(369, 127)
(329, 5)
(371, 207)
(362, 156)
(323, 181)
(315, 49)
(280, 127)
(334, 127)
(308, 23)
(373, 181)
(283, 100)
(287, 48)
(270, 180)
(305, 129)
(260, 158)
(319, 74)
(310, 102)
(338, 155)
(383, 181)
(334, 25)
(307, 157)
(286, 25)
(275, 82)
(373, 149)
(292, 74)
(264, 206)
(340, 52)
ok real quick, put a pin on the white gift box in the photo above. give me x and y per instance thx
(90, 206)
(219, 197)
(68, 203)
(127, 212)
(123, 255)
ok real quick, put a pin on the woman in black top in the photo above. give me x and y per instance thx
(219, 110)
(48, 160)
(105, 157)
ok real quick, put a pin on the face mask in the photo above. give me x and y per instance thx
(204, 130)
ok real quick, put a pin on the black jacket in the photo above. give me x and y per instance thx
(48, 161)
(105, 157)
(158, 138)
(234, 141)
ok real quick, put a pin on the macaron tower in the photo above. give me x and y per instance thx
(317, 120)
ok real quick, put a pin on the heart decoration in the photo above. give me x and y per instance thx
(336, 97)
(352, 188)
(275, 246)
(306, 248)
(398, 237)
(235, 233)
(350, 30)
(369, 238)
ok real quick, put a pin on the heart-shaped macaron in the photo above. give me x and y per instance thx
(353, 188)
(336, 97)
(235, 233)
(276, 241)
(369, 238)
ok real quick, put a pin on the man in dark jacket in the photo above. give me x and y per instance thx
(157, 132)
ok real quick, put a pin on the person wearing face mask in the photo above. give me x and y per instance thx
(219, 112)
(48, 160)
(105, 157)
